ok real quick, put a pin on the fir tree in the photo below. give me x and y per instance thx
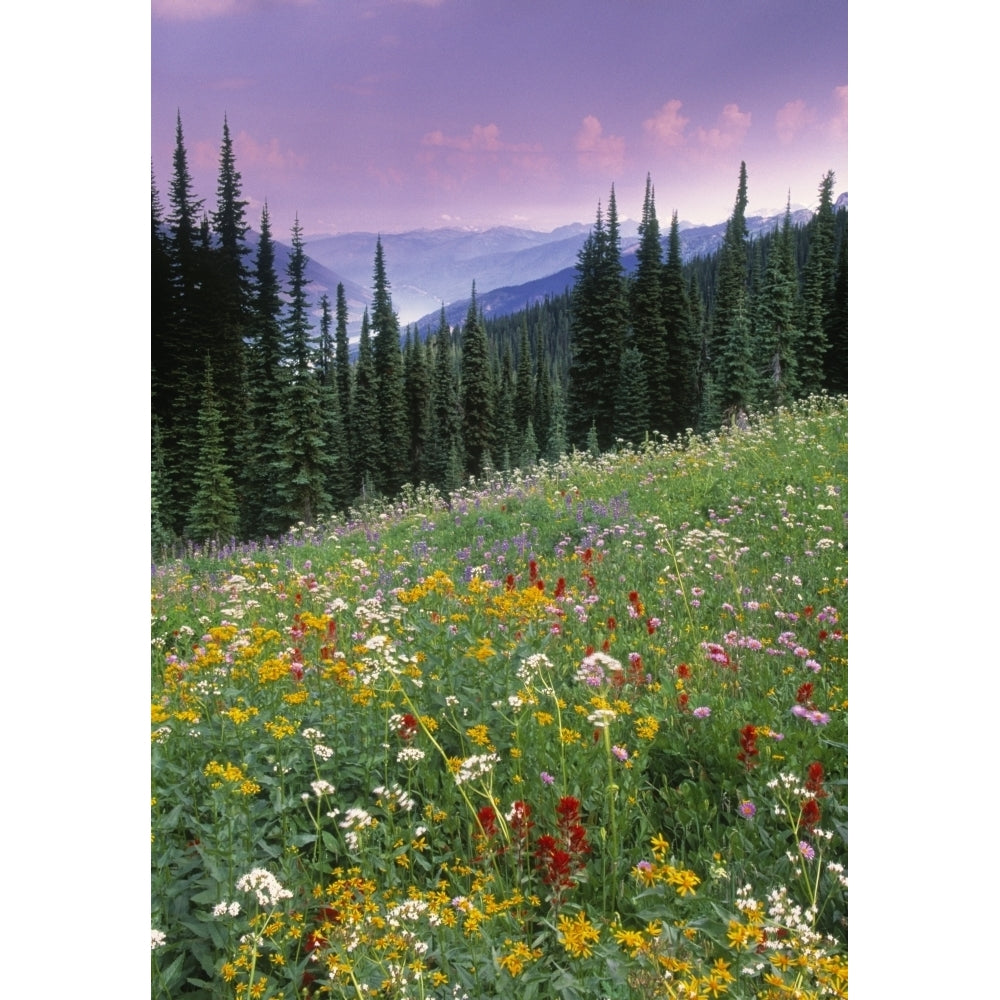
(213, 514)
(365, 442)
(683, 339)
(445, 465)
(303, 466)
(417, 378)
(729, 359)
(505, 438)
(817, 291)
(777, 334)
(477, 395)
(391, 402)
(646, 311)
(835, 367)
(524, 395)
(597, 330)
(632, 410)
(337, 457)
(343, 360)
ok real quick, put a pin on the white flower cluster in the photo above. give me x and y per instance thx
(602, 718)
(224, 909)
(410, 755)
(531, 668)
(264, 885)
(475, 767)
(354, 821)
(398, 797)
(157, 939)
(321, 788)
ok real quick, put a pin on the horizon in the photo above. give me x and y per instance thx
(391, 116)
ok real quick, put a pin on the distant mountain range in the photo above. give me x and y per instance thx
(512, 268)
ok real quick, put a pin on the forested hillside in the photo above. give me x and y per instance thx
(260, 420)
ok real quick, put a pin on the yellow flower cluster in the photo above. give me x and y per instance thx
(577, 934)
(231, 774)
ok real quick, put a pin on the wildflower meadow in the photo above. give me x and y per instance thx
(578, 731)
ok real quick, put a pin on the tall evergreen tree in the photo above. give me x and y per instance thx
(729, 357)
(445, 462)
(524, 396)
(505, 438)
(477, 396)
(648, 324)
(777, 334)
(542, 413)
(343, 359)
(303, 463)
(391, 401)
(835, 368)
(632, 411)
(683, 339)
(597, 331)
(267, 382)
(817, 291)
(213, 515)
(163, 349)
(366, 447)
(417, 379)
(337, 457)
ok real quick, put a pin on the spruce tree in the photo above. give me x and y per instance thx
(835, 367)
(506, 444)
(417, 379)
(632, 410)
(477, 396)
(817, 291)
(391, 401)
(597, 330)
(366, 448)
(646, 311)
(524, 395)
(303, 468)
(777, 334)
(445, 463)
(729, 355)
(343, 360)
(213, 514)
(337, 458)
(683, 339)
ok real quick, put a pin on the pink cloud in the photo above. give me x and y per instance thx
(733, 126)
(202, 10)
(482, 139)
(595, 150)
(792, 119)
(667, 125)
(253, 153)
(837, 126)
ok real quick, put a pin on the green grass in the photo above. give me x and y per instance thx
(579, 732)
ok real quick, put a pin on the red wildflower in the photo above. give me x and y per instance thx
(591, 582)
(682, 701)
(588, 554)
(407, 727)
(510, 581)
(748, 746)
(814, 783)
(487, 820)
(568, 809)
(606, 645)
(804, 694)
(810, 813)
(822, 634)
(683, 670)
(533, 570)
(540, 583)
(612, 623)
(560, 587)
(807, 611)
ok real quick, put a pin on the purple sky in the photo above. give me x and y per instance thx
(387, 115)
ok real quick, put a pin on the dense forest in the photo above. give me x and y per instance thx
(260, 420)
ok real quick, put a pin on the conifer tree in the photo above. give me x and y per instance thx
(524, 396)
(343, 361)
(445, 462)
(417, 378)
(646, 311)
(365, 442)
(163, 351)
(632, 411)
(337, 458)
(835, 368)
(505, 438)
(817, 291)
(391, 401)
(597, 331)
(683, 339)
(213, 515)
(777, 334)
(477, 396)
(303, 466)
(542, 412)
(729, 358)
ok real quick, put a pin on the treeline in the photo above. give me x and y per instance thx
(260, 420)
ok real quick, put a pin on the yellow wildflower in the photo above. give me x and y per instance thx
(577, 935)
